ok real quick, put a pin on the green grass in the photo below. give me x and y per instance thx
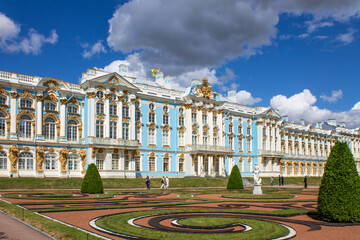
(208, 222)
(134, 183)
(263, 196)
(261, 229)
(55, 229)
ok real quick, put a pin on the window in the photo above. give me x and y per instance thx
(138, 133)
(240, 144)
(125, 99)
(152, 164)
(99, 108)
(151, 136)
(248, 145)
(165, 138)
(165, 119)
(194, 138)
(193, 117)
(205, 138)
(125, 111)
(230, 128)
(50, 106)
(151, 106)
(231, 143)
(115, 161)
(137, 104)
(137, 163)
(215, 139)
(181, 121)
(74, 162)
(125, 131)
(2, 100)
(264, 145)
(214, 120)
(166, 109)
(137, 116)
(204, 119)
(25, 126)
(50, 161)
(126, 162)
(99, 129)
(181, 164)
(112, 109)
(181, 138)
(72, 109)
(72, 128)
(26, 161)
(151, 117)
(100, 161)
(2, 124)
(264, 131)
(181, 110)
(25, 103)
(165, 164)
(248, 131)
(49, 129)
(113, 129)
(3, 160)
(100, 94)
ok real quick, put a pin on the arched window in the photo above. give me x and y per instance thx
(25, 103)
(3, 160)
(74, 163)
(215, 139)
(125, 131)
(99, 108)
(2, 100)
(113, 97)
(152, 164)
(100, 94)
(205, 138)
(112, 109)
(194, 138)
(125, 111)
(113, 129)
(25, 126)
(72, 109)
(50, 161)
(49, 128)
(72, 130)
(151, 117)
(50, 106)
(2, 124)
(26, 161)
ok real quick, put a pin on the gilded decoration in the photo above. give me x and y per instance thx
(137, 153)
(14, 95)
(125, 120)
(205, 90)
(166, 155)
(113, 119)
(152, 154)
(91, 95)
(13, 157)
(100, 88)
(101, 117)
(194, 128)
(73, 100)
(8, 116)
(27, 112)
(52, 97)
(27, 94)
(52, 150)
(166, 128)
(82, 154)
(52, 115)
(40, 159)
(133, 101)
(93, 152)
(188, 106)
(52, 84)
(63, 159)
(114, 80)
(26, 149)
(74, 151)
(3, 91)
(63, 101)
(152, 126)
(39, 98)
(121, 98)
(101, 101)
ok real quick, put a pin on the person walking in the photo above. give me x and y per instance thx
(162, 183)
(166, 182)
(305, 181)
(279, 180)
(272, 181)
(282, 180)
(148, 182)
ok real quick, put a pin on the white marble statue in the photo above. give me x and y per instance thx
(257, 179)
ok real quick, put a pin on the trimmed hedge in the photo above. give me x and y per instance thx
(339, 194)
(235, 180)
(92, 182)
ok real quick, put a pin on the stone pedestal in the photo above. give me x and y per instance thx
(257, 189)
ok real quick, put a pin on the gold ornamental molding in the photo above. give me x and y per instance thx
(4, 92)
(27, 94)
(100, 88)
(53, 85)
(63, 159)
(93, 152)
(82, 154)
(52, 97)
(73, 100)
(107, 96)
(13, 157)
(14, 95)
(40, 159)
(91, 95)
(39, 98)
(152, 154)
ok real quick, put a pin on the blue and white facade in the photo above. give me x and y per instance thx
(132, 127)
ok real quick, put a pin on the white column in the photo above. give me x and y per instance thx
(91, 115)
(120, 119)
(39, 115)
(132, 119)
(62, 118)
(13, 107)
(107, 118)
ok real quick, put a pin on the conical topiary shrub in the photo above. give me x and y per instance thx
(339, 194)
(92, 182)
(235, 180)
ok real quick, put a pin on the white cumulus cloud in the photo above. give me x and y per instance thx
(245, 98)
(335, 95)
(96, 48)
(12, 42)
(346, 38)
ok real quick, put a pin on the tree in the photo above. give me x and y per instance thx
(92, 182)
(339, 194)
(235, 180)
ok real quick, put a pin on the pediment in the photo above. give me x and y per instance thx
(271, 113)
(116, 80)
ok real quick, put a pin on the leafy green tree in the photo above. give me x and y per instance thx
(235, 180)
(92, 182)
(339, 194)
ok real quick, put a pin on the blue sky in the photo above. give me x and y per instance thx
(301, 57)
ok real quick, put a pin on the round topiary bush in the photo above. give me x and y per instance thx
(92, 182)
(339, 194)
(235, 180)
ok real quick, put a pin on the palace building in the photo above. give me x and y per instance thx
(132, 127)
